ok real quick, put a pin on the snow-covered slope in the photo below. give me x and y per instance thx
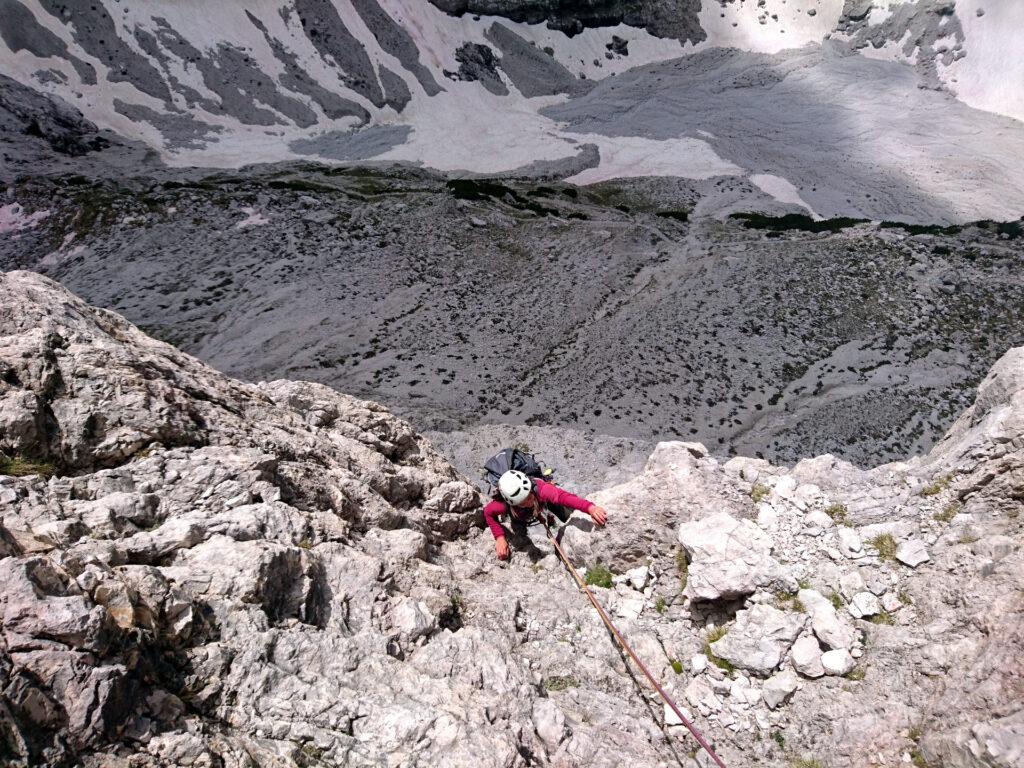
(228, 84)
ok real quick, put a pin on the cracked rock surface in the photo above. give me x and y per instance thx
(197, 571)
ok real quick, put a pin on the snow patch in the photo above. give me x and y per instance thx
(991, 74)
(629, 156)
(253, 218)
(781, 189)
(13, 218)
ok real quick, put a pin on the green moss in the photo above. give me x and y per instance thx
(838, 513)
(19, 466)
(599, 576)
(779, 739)
(758, 492)
(885, 545)
(560, 683)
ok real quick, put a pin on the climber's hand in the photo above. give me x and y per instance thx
(501, 547)
(598, 514)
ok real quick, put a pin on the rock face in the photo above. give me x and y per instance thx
(200, 572)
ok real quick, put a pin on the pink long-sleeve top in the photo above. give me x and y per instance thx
(545, 492)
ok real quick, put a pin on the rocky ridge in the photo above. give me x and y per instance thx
(226, 574)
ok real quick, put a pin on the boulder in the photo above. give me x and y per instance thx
(806, 657)
(729, 558)
(825, 621)
(837, 662)
(779, 687)
(863, 605)
(759, 639)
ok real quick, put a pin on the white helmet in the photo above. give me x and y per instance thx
(514, 487)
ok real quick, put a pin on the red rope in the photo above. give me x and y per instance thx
(626, 647)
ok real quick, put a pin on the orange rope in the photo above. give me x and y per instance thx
(625, 646)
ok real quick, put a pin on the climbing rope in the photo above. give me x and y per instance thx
(626, 647)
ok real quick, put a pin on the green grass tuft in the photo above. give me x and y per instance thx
(948, 512)
(779, 739)
(683, 566)
(599, 576)
(883, 618)
(885, 545)
(838, 513)
(19, 466)
(937, 487)
(712, 636)
(856, 674)
(759, 491)
(806, 764)
(835, 599)
(659, 604)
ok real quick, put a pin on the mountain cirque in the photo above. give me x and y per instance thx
(643, 321)
(224, 574)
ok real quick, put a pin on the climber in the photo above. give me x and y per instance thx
(525, 499)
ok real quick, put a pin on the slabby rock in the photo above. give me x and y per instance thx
(728, 557)
(779, 687)
(850, 543)
(863, 605)
(759, 639)
(912, 552)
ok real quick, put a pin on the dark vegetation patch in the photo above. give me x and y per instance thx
(479, 189)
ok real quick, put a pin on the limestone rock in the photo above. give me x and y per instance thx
(863, 605)
(826, 623)
(837, 662)
(728, 557)
(779, 687)
(759, 639)
(806, 655)
(912, 552)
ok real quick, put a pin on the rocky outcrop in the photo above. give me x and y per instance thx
(196, 571)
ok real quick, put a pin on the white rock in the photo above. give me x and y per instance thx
(760, 638)
(818, 519)
(806, 657)
(912, 553)
(728, 557)
(767, 517)
(698, 663)
(850, 543)
(638, 577)
(864, 604)
(825, 621)
(779, 687)
(837, 662)
(850, 583)
(891, 602)
(549, 722)
(413, 619)
(672, 719)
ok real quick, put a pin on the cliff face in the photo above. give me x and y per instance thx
(224, 574)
